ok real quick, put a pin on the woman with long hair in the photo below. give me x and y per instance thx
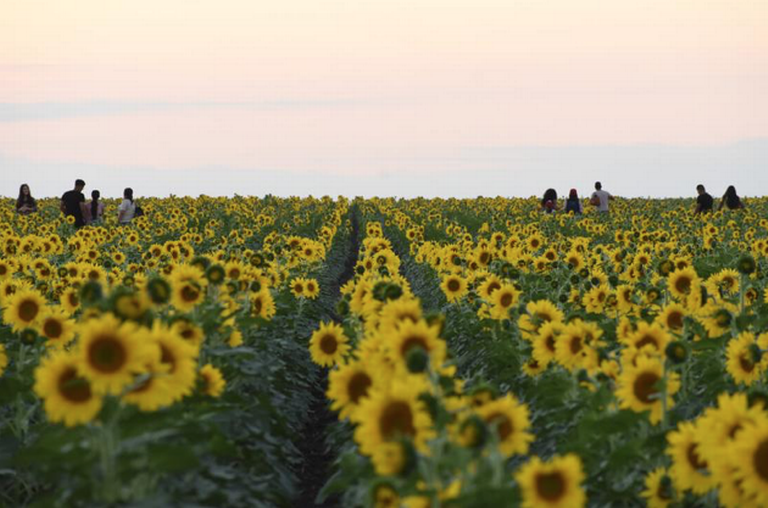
(549, 201)
(25, 204)
(94, 210)
(573, 204)
(731, 199)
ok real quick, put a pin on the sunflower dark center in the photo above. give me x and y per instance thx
(683, 284)
(760, 460)
(506, 300)
(298, 288)
(397, 419)
(550, 486)
(453, 285)
(645, 340)
(107, 354)
(189, 293)
(746, 364)
(503, 425)
(52, 328)
(550, 343)
(645, 387)
(575, 345)
(28, 310)
(358, 386)
(74, 388)
(413, 341)
(675, 320)
(694, 459)
(167, 357)
(329, 344)
(493, 286)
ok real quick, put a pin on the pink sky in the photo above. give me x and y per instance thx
(361, 86)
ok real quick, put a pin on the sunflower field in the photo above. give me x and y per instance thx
(381, 352)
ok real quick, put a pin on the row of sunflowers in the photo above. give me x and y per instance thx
(491, 355)
(163, 362)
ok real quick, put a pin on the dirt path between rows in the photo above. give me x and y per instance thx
(318, 457)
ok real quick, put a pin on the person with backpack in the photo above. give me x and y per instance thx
(573, 203)
(549, 201)
(127, 209)
(600, 198)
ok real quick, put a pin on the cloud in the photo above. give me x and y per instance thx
(38, 111)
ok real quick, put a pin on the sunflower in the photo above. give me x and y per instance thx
(489, 285)
(70, 300)
(393, 413)
(213, 382)
(328, 344)
(683, 282)
(298, 287)
(510, 420)
(178, 359)
(744, 359)
(689, 470)
(504, 299)
(544, 344)
(311, 288)
(552, 484)
(396, 312)
(3, 359)
(190, 332)
(262, 304)
(68, 396)
(56, 326)
(411, 339)
(749, 456)
(536, 315)
(454, 287)
(150, 392)
(110, 354)
(717, 318)
(658, 491)
(638, 387)
(348, 386)
(575, 347)
(23, 309)
(672, 317)
(187, 295)
(649, 335)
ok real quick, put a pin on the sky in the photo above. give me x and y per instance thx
(386, 97)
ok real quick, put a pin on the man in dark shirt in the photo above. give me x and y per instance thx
(71, 203)
(704, 203)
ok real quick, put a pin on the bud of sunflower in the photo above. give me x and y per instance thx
(91, 293)
(342, 308)
(416, 359)
(28, 335)
(666, 489)
(255, 286)
(746, 264)
(757, 397)
(62, 272)
(473, 433)
(201, 262)
(159, 290)
(215, 274)
(575, 279)
(383, 271)
(677, 352)
(666, 267)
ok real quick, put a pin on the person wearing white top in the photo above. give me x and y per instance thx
(127, 208)
(600, 198)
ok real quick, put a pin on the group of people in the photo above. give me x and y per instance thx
(600, 199)
(73, 205)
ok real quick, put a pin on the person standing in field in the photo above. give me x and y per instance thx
(600, 198)
(127, 208)
(573, 204)
(72, 203)
(549, 201)
(25, 204)
(705, 202)
(731, 199)
(94, 210)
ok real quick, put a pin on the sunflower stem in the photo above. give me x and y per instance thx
(108, 455)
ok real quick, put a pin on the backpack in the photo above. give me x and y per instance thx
(138, 212)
